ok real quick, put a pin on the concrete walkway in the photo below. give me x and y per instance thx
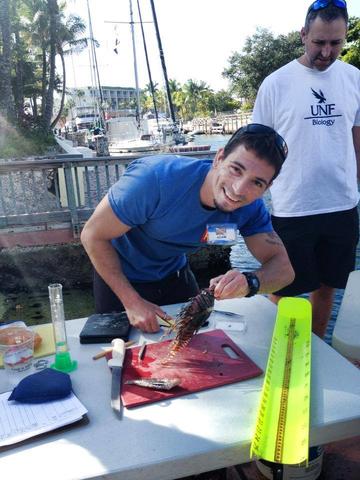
(68, 147)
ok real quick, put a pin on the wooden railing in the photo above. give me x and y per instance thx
(57, 193)
(230, 123)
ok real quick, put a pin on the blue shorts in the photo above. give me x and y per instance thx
(321, 248)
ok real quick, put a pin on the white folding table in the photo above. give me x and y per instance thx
(187, 435)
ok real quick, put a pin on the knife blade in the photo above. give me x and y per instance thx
(116, 363)
(141, 353)
(229, 314)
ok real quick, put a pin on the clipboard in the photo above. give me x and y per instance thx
(82, 422)
(23, 421)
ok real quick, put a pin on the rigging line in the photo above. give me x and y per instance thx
(148, 68)
(102, 113)
(73, 69)
(94, 100)
(93, 89)
(135, 67)
(162, 58)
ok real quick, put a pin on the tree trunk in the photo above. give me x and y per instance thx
(43, 81)
(6, 98)
(49, 103)
(61, 53)
(18, 61)
(34, 107)
(19, 83)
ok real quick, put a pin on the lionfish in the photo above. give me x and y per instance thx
(155, 383)
(190, 319)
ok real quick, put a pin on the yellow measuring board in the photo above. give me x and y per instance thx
(282, 425)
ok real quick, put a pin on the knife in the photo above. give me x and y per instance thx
(229, 314)
(116, 363)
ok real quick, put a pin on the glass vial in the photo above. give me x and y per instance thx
(63, 360)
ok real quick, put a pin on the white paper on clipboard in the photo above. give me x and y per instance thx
(19, 421)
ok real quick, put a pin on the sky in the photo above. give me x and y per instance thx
(197, 36)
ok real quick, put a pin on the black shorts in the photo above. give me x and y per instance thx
(321, 248)
(175, 288)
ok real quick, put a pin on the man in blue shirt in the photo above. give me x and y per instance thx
(164, 207)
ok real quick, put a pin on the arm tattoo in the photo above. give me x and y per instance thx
(274, 239)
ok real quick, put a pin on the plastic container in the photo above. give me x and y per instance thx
(296, 472)
(17, 351)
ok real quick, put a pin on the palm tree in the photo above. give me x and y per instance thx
(35, 17)
(6, 101)
(50, 34)
(148, 89)
(68, 43)
(19, 58)
(53, 10)
(179, 102)
(194, 94)
(174, 86)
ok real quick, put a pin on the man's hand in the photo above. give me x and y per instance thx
(275, 272)
(143, 316)
(233, 284)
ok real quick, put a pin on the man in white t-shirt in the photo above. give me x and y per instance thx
(314, 103)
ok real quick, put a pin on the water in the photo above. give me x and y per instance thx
(216, 141)
(34, 307)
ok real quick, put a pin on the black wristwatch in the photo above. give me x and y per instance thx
(253, 283)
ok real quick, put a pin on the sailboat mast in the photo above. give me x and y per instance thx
(162, 58)
(148, 68)
(95, 66)
(138, 110)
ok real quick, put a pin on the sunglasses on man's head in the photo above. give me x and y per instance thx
(259, 128)
(320, 4)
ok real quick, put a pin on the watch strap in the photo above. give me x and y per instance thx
(253, 283)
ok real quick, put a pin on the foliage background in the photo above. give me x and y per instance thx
(34, 33)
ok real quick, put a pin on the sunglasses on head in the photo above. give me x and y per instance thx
(320, 4)
(259, 128)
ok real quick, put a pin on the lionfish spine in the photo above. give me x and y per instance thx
(191, 318)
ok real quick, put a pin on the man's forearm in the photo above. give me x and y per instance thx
(276, 270)
(106, 262)
(275, 274)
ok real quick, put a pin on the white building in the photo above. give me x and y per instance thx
(85, 109)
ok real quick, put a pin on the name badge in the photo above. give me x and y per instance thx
(222, 234)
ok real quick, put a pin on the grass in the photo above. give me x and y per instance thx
(18, 143)
(34, 309)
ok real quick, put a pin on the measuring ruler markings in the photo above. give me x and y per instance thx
(282, 426)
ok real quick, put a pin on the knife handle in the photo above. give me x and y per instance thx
(118, 353)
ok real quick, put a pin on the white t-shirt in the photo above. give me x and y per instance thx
(314, 111)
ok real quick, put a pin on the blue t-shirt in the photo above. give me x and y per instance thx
(159, 197)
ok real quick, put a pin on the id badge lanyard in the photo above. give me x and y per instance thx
(221, 234)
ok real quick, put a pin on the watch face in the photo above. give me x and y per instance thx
(253, 283)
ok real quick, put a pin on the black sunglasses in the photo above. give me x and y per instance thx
(259, 128)
(320, 4)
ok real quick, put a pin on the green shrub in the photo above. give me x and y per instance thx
(17, 143)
